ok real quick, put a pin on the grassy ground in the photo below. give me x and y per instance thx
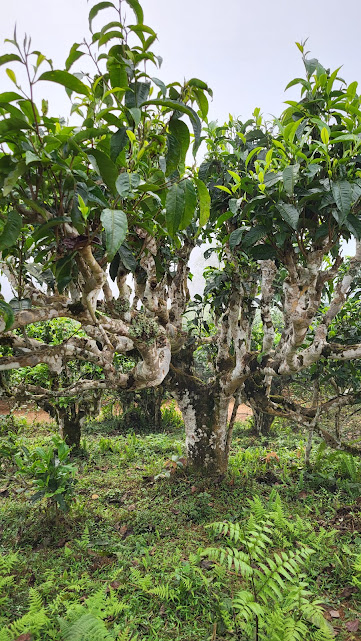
(132, 543)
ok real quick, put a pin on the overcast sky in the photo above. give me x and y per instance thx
(244, 50)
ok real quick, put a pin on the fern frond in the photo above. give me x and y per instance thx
(87, 628)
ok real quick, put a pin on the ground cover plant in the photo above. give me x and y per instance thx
(137, 556)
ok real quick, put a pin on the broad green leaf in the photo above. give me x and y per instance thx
(353, 224)
(95, 10)
(137, 94)
(12, 124)
(11, 230)
(289, 214)
(174, 207)
(43, 230)
(253, 235)
(235, 238)
(289, 176)
(190, 204)
(342, 193)
(67, 80)
(173, 155)
(180, 131)
(126, 183)
(74, 55)
(10, 96)
(204, 202)
(11, 180)
(202, 102)
(9, 57)
(325, 136)
(263, 252)
(345, 138)
(299, 81)
(31, 157)
(116, 226)
(107, 169)
(7, 313)
(117, 143)
(134, 4)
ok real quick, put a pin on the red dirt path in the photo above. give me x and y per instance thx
(35, 415)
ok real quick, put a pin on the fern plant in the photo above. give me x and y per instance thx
(274, 602)
(34, 621)
(7, 564)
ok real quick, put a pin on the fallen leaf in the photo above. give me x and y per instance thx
(207, 564)
(347, 591)
(115, 585)
(272, 455)
(335, 614)
(24, 637)
(352, 626)
(95, 496)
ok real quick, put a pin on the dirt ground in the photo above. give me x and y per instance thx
(35, 415)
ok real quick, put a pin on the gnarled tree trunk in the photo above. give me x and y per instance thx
(205, 414)
(262, 422)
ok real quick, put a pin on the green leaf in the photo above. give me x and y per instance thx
(204, 202)
(235, 237)
(107, 169)
(342, 193)
(325, 136)
(134, 4)
(190, 204)
(289, 214)
(11, 180)
(299, 81)
(95, 10)
(179, 106)
(117, 143)
(42, 230)
(353, 224)
(175, 206)
(67, 80)
(137, 94)
(74, 55)
(195, 82)
(10, 96)
(12, 124)
(31, 157)
(116, 227)
(263, 252)
(172, 158)
(253, 235)
(9, 57)
(11, 230)
(7, 313)
(289, 176)
(202, 102)
(126, 183)
(180, 131)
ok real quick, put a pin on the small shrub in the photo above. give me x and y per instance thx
(51, 471)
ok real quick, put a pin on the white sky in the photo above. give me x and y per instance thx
(245, 51)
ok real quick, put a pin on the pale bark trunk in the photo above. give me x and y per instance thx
(205, 415)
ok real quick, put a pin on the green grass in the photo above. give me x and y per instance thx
(137, 540)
